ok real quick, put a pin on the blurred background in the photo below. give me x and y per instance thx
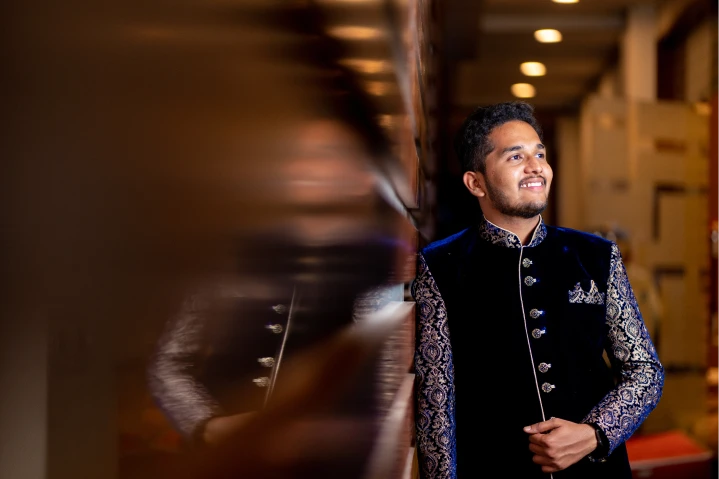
(265, 147)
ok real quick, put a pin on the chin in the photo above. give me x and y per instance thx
(530, 211)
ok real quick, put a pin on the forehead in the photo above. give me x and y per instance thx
(514, 132)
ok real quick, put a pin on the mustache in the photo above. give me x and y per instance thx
(530, 178)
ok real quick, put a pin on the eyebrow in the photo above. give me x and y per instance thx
(540, 146)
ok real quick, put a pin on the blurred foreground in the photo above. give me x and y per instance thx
(153, 150)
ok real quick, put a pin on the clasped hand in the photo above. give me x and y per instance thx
(557, 444)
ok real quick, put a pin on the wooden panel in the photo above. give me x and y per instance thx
(411, 468)
(407, 152)
(389, 457)
(397, 355)
(405, 338)
(406, 259)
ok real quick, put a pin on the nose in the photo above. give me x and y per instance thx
(533, 165)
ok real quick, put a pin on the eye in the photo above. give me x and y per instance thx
(515, 157)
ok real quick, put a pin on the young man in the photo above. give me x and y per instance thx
(514, 320)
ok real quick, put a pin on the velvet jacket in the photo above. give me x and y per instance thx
(510, 335)
(225, 348)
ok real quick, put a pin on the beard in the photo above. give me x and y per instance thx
(503, 205)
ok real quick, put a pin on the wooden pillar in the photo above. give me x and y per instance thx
(713, 350)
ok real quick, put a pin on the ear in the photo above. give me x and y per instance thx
(474, 183)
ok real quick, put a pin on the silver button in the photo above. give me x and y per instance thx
(262, 382)
(537, 333)
(279, 308)
(546, 387)
(275, 328)
(526, 262)
(529, 281)
(535, 313)
(267, 362)
(544, 367)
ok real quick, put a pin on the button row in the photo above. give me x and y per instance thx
(269, 361)
(537, 333)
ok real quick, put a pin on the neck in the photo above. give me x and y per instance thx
(522, 227)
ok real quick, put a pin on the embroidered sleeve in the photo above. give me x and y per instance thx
(631, 350)
(172, 370)
(435, 413)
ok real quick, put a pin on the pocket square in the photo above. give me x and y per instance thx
(593, 296)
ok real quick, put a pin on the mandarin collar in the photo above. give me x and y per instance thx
(488, 231)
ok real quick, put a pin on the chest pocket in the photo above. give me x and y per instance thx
(586, 292)
(585, 307)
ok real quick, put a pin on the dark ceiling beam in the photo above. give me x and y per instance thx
(693, 14)
(459, 33)
(507, 23)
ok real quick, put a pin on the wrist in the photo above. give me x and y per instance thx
(219, 428)
(600, 453)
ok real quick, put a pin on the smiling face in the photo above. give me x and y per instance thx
(517, 176)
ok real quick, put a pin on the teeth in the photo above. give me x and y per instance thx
(530, 185)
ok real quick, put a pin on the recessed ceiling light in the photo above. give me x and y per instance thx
(523, 90)
(565, 1)
(533, 69)
(355, 33)
(386, 121)
(364, 65)
(548, 35)
(378, 88)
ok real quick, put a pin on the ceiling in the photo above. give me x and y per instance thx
(501, 38)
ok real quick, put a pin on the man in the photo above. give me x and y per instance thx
(531, 356)
(262, 370)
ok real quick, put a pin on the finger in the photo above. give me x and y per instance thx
(542, 460)
(537, 449)
(541, 427)
(547, 464)
(550, 469)
(537, 439)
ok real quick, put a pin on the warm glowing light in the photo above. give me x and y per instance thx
(378, 88)
(533, 69)
(565, 1)
(340, 2)
(703, 108)
(362, 65)
(355, 33)
(523, 90)
(713, 376)
(386, 121)
(548, 35)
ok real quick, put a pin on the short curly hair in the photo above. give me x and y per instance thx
(472, 144)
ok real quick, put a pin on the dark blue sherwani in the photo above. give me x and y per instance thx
(510, 335)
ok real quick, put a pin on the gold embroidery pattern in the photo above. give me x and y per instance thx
(623, 410)
(435, 415)
(578, 295)
(494, 234)
(187, 402)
